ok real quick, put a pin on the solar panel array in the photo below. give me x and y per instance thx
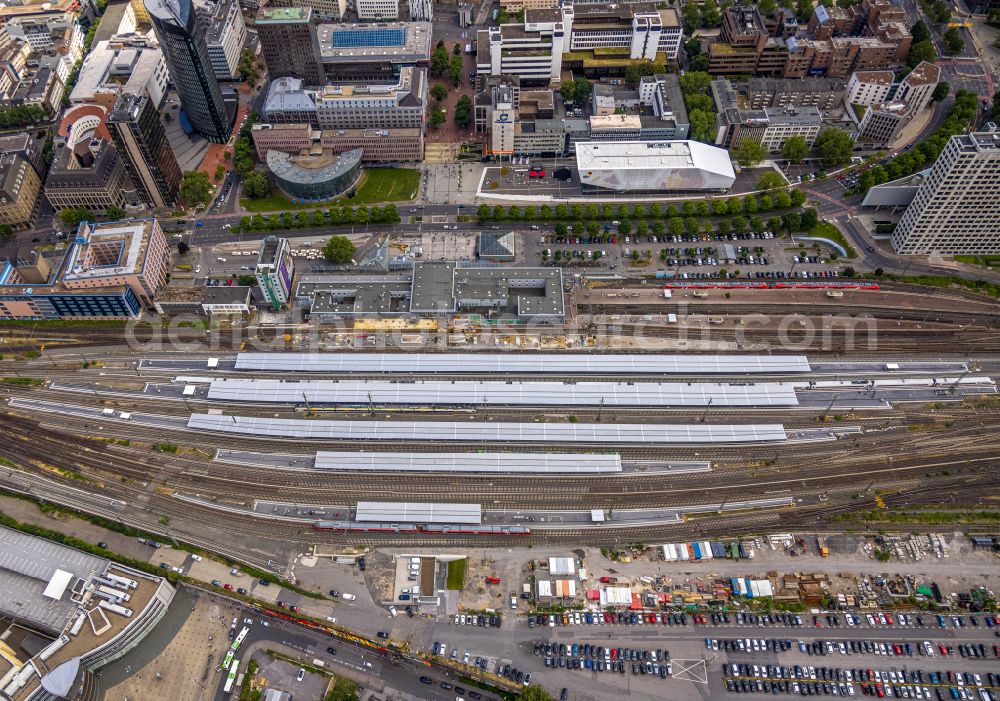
(487, 432)
(368, 38)
(494, 463)
(552, 363)
(503, 393)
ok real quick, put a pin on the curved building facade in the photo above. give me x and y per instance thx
(316, 177)
(182, 40)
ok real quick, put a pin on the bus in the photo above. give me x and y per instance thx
(240, 638)
(229, 659)
(231, 677)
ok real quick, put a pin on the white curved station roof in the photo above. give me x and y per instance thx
(463, 392)
(494, 463)
(552, 363)
(493, 432)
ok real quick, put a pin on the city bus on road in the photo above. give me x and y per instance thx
(229, 659)
(240, 638)
(231, 677)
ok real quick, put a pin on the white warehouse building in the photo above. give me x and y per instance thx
(653, 166)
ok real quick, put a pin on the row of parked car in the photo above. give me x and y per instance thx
(812, 681)
(569, 618)
(481, 620)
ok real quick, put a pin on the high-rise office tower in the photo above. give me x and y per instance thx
(956, 208)
(182, 40)
(142, 143)
(288, 39)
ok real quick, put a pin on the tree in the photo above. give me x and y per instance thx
(439, 60)
(710, 16)
(750, 153)
(767, 7)
(692, 17)
(920, 32)
(720, 207)
(256, 186)
(455, 70)
(390, 215)
(692, 47)
(849, 271)
(195, 188)
(72, 217)
(439, 92)
(941, 91)
(581, 90)
(795, 149)
(567, 90)
(463, 112)
(792, 221)
(676, 226)
(921, 51)
(703, 126)
(770, 181)
(699, 63)
(810, 218)
(115, 213)
(953, 42)
(183, 247)
(457, 49)
(437, 117)
(338, 250)
(248, 67)
(740, 224)
(835, 147)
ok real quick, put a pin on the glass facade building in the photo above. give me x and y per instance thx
(182, 39)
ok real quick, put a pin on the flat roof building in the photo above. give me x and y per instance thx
(290, 44)
(84, 612)
(373, 52)
(437, 288)
(225, 35)
(956, 207)
(116, 253)
(640, 166)
(19, 190)
(89, 174)
(275, 271)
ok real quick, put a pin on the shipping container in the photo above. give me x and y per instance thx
(697, 550)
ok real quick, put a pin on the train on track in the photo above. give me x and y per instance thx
(431, 528)
(772, 285)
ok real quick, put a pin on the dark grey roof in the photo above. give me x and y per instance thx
(493, 244)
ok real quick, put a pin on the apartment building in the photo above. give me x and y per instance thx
(917, 87)
(27, 146)
(822, 93)
(883, 121)
(377, 9)
(768, 126)
(956, 206)
(638, 26)
(19, 188)
(750, 44)
(869, 87)
(225, 35)
(288, 40)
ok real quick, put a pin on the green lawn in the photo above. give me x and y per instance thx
(988, 261)
(829, 231)
(378, 185)
(456, 574)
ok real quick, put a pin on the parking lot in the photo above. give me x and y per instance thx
(884, 655)
(763, 255)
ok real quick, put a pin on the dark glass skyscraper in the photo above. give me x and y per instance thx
(182, 40)
(142, 143)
